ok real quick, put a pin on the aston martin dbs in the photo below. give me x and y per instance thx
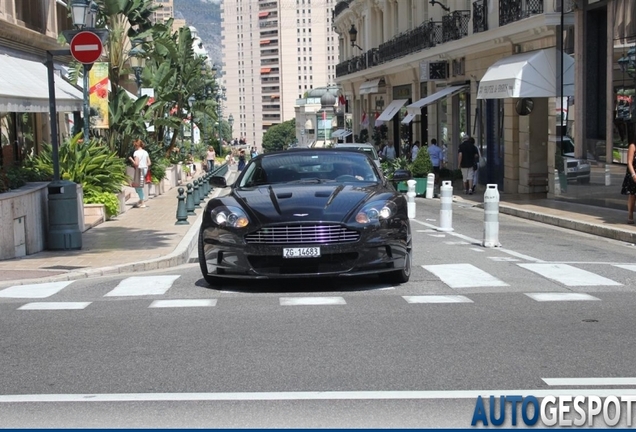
(307, 213)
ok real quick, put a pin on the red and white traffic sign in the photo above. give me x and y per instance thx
(86, 47)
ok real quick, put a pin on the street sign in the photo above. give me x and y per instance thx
(86, 47)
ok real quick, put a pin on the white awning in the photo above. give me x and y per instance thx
(393, 108)
(527, 75)
(408, 118)
(24, 87)
(415, 107)
(341, 133)
(370, 87)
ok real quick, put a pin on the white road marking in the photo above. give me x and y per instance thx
(426, 231)
(42, 290)
(183, 303)
(476, 241)
(568, 275)
(54, 306)
(456, 243)
(464, 276)
(503, 259)
(608, 381)
(437, 235)
(143, 285)
(552, 297)
(307, 395)
(476, 249)
(437, 299)
(630, 267)
(311, 301)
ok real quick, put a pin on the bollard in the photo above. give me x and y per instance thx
(196, 195)
(557, 183)
(202, 189)
(190, 200)
(608, 177)
(182, 213)
(410, 199)
(430, 185)
(206, 183)
(491, 217)
(446, 209)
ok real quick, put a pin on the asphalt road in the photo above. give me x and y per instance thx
(164, 350)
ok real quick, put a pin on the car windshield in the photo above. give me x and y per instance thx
(370, 151)
(308, 167)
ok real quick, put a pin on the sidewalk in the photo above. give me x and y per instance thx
(144, 239)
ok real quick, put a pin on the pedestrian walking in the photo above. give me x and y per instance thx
(389, 151)
(241, 161)
(437, 159)
(414, 150)
(141, 161)
(477, 165)
(467, 159)
(210, 157)
(629, 183)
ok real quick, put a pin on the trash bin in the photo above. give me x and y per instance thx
(64, 232)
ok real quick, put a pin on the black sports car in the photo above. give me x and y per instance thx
(307, 213)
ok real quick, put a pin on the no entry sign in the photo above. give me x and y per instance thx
(86, 47)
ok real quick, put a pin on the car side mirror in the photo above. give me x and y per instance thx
(401, 175)
(218, 181)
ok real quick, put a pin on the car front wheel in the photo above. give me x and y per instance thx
(400, 276)
(211, 280)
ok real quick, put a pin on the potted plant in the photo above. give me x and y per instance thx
(420, 168)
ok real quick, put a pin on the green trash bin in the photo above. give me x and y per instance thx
(64, 232)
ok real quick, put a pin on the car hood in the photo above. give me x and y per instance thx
(283, 202)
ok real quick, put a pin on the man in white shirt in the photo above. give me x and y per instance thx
(415, 150)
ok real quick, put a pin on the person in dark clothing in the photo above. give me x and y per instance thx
(467, 157)
(241, 162)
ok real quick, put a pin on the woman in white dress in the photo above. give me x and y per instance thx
(141, 162)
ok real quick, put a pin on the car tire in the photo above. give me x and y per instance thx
(399, 276)
(211, 280)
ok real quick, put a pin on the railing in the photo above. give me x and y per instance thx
(515, 10)
(480, 16)
(269, 62)
(340, 7)
(455, 25)
(266, 5)
(267, 24)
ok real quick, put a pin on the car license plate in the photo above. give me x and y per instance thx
(571, 170)
(310, 252)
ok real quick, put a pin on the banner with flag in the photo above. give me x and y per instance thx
(365, 120)
(98, 94)
(377, 123)
(342, 100)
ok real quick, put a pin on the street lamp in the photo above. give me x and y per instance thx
(137, 62)
(353, 36)
(191, 101)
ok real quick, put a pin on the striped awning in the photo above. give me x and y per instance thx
(266, 70)
(263, 14)
(265, 42)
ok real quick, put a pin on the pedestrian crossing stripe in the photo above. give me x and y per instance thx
(559, 296)
(568, 275)
(54, 306)
(41, 290)
(311, 301)
(464, 276)
(630, 267)
(183, 303)
(143, 285)
(437, 299)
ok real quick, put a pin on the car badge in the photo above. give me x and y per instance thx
(301, 214)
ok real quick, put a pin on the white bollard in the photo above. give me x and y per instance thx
(608, 177)
(491, 217)
(430, 185)
(410, 199)
(446, 209)
(557, 183)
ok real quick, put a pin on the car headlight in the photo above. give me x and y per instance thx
(229, 216)
(376, 211)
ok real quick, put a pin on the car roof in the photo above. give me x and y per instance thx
(353, 145)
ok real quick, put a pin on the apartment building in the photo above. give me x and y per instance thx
(516, 74)
(28, 29)
(164, 13)
(274, 52)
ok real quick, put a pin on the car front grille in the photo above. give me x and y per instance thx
(303, 234)
(572, 164)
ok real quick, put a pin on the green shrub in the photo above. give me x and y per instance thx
(158, 170)
(90, 164)
(16, 177)
(422, 165)
(390, 166)
(109, 199)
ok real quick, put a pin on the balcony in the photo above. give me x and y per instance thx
(480, 16)
(269, 52)
(268, 24)
(455, 25)
(340, 7)
(269, 62)
(265, 5)
(514, 10)
(269, 80)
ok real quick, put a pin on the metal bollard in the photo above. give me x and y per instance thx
(608, 177)
(430, 185)
(446, 209)
(206, 181)
(491, 217)
(203, 189)
(410, 199)
(196, 195)
(182, 213)
(190, 200)
(557, 183)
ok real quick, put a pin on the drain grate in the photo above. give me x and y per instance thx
(62, 267)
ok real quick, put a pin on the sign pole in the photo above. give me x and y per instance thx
(85, 106)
